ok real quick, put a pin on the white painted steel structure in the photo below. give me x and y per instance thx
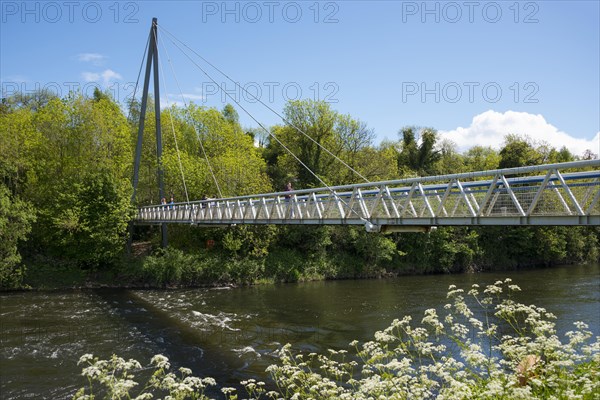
(553, 194)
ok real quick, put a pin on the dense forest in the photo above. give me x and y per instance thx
(66, 167)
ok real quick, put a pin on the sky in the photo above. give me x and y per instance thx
(474, 70)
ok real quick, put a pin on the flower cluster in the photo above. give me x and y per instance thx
(115, 378)
(499, 349)
(511, 351)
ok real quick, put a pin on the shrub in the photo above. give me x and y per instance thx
(167, 266)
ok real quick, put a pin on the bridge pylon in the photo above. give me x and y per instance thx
(151, 63)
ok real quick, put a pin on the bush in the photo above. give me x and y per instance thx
(168, 267)
(285, 265)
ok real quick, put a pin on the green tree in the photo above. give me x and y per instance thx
(419, 156)
(355, 138)
(230, 114)
(88, 224)
(16, 217)
(518, 152)
(324, 141)
(30, 101)
(209, 143)
(562, 155)
(317, 120)
(79, 168)
(479, 158)
(17, 136)
(450, 161)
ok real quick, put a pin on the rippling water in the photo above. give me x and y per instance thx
(231, 334)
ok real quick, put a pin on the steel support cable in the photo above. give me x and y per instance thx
(137, 157)
(194, 125)
(187, 198)
(138, 78)
(271, 134)
(267, 106)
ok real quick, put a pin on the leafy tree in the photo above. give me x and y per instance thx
(207, 140)
(259, 136)
(518, 152)
(479, 158)
(446, 249)
(589, 155)
(78, 172)
(17, 136)
(354, 137)
(559, 156)
(450, 161)
(230, 114)
(323, 140)
(30, 101)
(88, 223)
(317, 120)
(16, 217)
(374, 163)
(419, 155)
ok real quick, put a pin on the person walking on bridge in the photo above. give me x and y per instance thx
(289, 188)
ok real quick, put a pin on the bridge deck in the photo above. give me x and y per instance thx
(538, 195)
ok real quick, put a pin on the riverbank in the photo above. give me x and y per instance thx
(175, 269)
(243, 255)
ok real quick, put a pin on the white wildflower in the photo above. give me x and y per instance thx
(160, 361)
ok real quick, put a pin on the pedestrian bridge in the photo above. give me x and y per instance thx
(553, 194)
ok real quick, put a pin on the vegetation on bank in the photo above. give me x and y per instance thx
(65, 197)
(480, 345)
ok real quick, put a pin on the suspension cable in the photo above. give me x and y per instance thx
(251, 116)
(266, 105)
(138, 79)
(187, 198)
(192, 120)
(270, 133)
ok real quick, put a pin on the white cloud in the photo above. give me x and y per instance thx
(94, 58)
(490, 128)
(90, 76)
(107, 76)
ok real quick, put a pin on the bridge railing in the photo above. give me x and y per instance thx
(554, 194)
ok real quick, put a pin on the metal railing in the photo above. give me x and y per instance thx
(553, 194)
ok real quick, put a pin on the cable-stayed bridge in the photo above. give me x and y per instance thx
(553, 194)
(535, 195)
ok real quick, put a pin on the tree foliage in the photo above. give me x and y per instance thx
(16, 217)
(418, 154)
(65, 190)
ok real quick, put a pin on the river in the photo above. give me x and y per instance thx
(230, 334)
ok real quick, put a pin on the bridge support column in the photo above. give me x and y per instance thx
(151, 60)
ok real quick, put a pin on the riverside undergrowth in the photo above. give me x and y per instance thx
(480, 345)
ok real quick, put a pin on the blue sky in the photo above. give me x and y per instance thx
(474, 70)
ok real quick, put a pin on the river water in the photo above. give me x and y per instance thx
(231, 334)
